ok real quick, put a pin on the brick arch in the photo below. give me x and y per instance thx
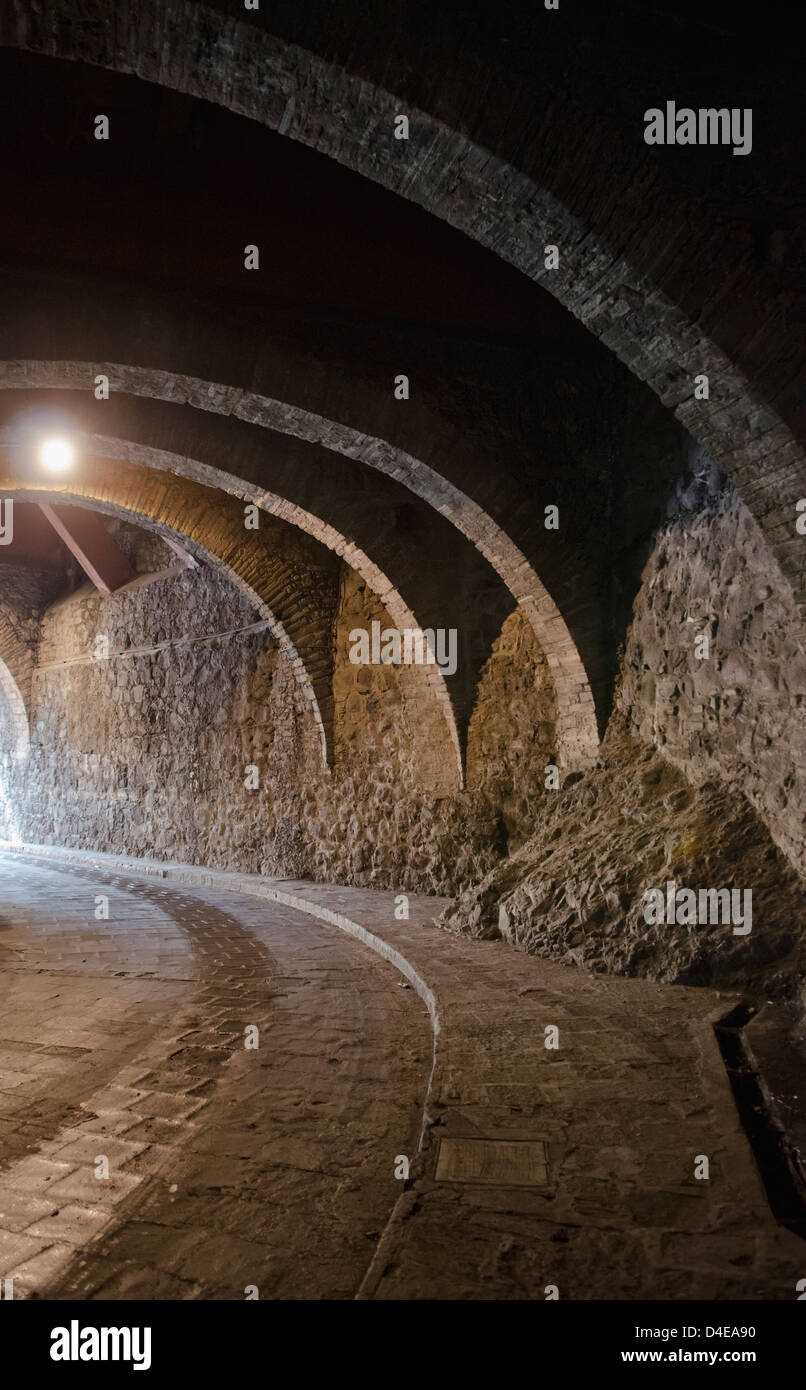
(444, 773)
(577, 733)
(634, 287)
(10, 690)
(25, 591)
(214, 524)
(252, 565)
(512, 735)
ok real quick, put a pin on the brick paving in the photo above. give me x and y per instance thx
(280, 1174)
(228, 1166)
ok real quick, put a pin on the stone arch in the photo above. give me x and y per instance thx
(577, 732)
(633, 287)
(17, 710)
(448, 776)
(512, 734)
(213, 524)
(16, 672)
(262, 578)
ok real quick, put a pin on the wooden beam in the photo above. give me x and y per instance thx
(84, 535)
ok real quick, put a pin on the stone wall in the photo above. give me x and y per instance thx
(739, 714)
(699, 779)
(147, 752)
(575, 891)
(383, 731)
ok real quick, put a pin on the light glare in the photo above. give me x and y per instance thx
(57, 454)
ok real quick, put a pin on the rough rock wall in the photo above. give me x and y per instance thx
(737, 715)
(147, 552)
(511, 733)
(124, 750)
(431, 843)
(147, 752)
(575, 891)
(701, 779)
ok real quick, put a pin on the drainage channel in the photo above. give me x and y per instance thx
(783, 1177)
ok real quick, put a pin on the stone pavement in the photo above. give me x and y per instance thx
(228, 1167)
(532, 1168)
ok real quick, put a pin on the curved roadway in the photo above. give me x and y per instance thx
(230, 1167)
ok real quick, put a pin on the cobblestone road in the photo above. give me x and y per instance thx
(573, 1168)
(228, 1166)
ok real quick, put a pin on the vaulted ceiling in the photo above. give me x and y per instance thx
(125, 259)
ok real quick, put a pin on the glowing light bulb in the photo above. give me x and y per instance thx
(57, 454)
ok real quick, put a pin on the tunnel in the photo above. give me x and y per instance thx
(402, 656)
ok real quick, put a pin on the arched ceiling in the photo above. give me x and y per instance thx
(292, 579)
(296, 604)
(483, 111)
(262, 462)
(519, 168)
